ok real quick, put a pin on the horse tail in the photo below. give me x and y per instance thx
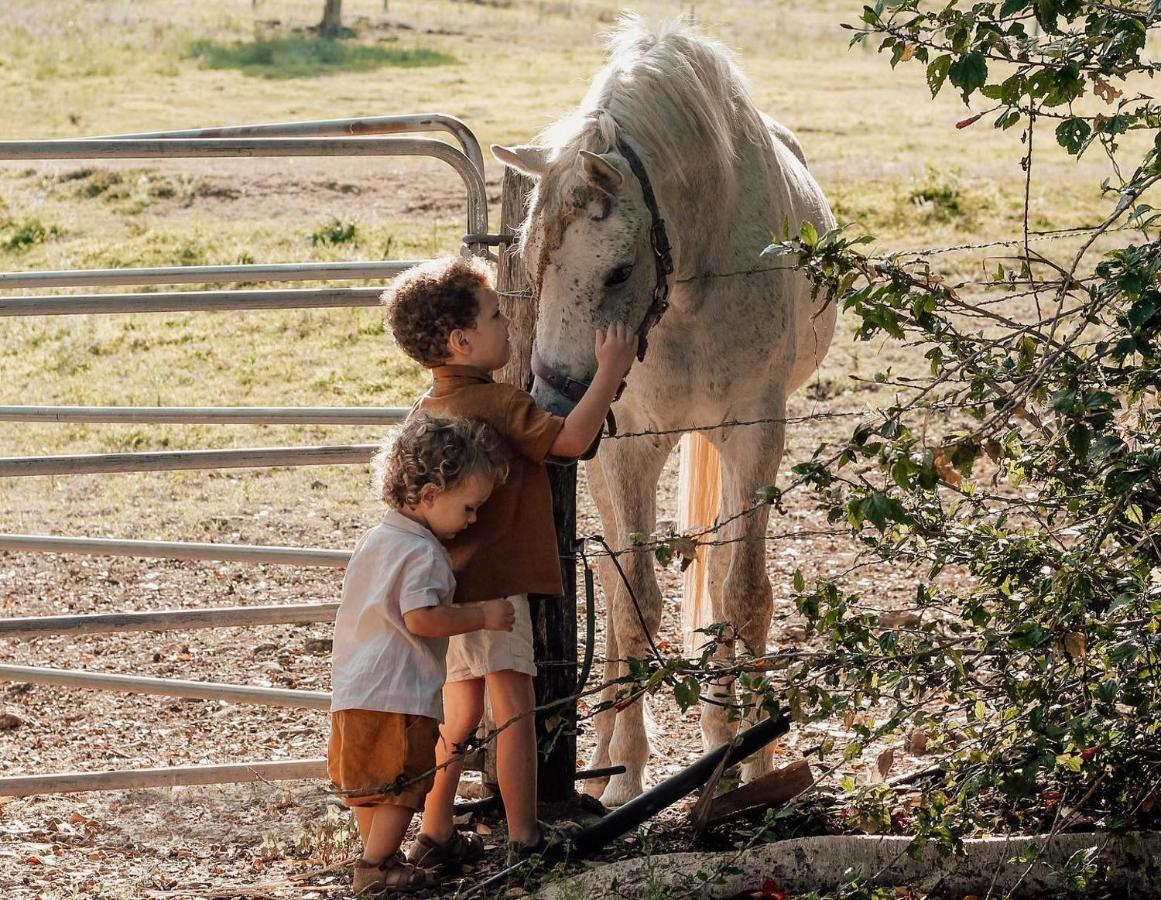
(698, 498)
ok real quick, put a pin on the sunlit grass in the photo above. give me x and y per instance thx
(301, 57)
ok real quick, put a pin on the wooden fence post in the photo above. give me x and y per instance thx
(553, 620)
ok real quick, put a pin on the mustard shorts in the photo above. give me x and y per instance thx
(370, 750)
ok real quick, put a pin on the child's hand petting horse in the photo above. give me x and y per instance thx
(616, 348)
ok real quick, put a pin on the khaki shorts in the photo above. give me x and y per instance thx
(479, 653)
(370, 750)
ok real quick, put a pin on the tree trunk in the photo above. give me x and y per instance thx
(332, 20)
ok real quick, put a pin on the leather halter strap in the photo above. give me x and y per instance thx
(659, 241)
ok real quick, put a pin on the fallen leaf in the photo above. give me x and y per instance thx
(916, 743)
(1074, 643)
(878, 773)
(481, 828)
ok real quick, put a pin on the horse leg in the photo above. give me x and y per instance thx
(607, 575)
(631, 469)
(743, 596)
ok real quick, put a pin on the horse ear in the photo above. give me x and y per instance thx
(529, 159)
(601, 173)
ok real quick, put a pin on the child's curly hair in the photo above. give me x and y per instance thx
(427, 303)
(440, 450)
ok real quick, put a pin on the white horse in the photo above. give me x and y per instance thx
(668, 131)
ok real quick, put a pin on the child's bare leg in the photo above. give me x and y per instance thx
(513, 698)
(364, 815)
(463, 705)
(385, 826)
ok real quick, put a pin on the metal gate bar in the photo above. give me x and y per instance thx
(166, 687)
(171, 776)
(247, 553)
(189, 301)
(207, 415)
(223, 148)
(325, 271)
(363, 125)
(34, 627)
(180, 460)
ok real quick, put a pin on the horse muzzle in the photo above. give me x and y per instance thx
(559, 394)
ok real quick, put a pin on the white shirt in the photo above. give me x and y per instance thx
(377, 664)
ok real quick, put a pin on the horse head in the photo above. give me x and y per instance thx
(588, 245)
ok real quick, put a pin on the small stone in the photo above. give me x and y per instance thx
(794, 633)
(319, 645)
(263, 648)
(10, 720)
(898, 618)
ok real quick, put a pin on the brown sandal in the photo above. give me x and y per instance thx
(461, 847)
(394, 875)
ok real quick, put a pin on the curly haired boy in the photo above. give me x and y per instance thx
(391, 635)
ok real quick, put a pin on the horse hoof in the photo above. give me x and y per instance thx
(621, 789)
(595, 787)
(756, 767)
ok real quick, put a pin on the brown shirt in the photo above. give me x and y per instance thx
(511, 548)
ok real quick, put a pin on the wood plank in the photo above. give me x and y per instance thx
(774, 789)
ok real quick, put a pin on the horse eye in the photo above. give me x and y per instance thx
(619, 275)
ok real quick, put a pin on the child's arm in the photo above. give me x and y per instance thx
(444, 621)
(615, 351)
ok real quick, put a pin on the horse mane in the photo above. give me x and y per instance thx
(680, 100)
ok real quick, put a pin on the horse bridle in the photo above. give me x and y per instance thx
(663, 268)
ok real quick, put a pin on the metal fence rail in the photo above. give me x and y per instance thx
(206, 415)
(189, 301)
(181, 460)
(226, 148)
(167, 687)
(172, 776)
(325, 271)
(364, 125)
(245, 553)
(33, 627)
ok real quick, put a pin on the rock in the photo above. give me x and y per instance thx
(319, 645)
(10, 720)
(898, 618)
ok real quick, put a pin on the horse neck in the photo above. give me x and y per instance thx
(699, 218)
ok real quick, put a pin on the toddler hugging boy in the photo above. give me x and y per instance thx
(454, 562)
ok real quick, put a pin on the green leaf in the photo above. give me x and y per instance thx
(1071, 134)
(687, 693)
(937, 71)
(808, 233)
(969, 73)
(877, 509)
